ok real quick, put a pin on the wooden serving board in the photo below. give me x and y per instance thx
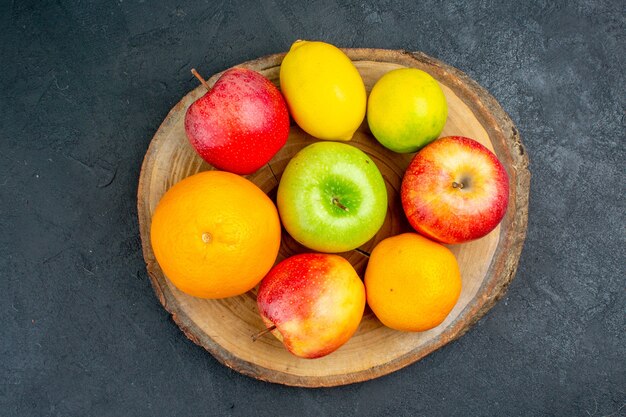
(224, 327)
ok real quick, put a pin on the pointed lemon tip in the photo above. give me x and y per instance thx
(347, 137)
(297, 44)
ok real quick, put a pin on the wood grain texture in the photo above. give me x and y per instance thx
(224, 327)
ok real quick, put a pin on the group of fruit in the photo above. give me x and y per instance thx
(216, 234)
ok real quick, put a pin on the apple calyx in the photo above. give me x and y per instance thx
(457, 184)
(256, 336)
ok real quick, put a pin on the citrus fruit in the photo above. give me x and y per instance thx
(215, 234)
(412, 283)
(406, 110)
(323, 89)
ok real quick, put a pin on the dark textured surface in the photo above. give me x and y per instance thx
(83, 87)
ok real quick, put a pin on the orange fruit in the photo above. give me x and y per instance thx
(412, 283)
(215, 234)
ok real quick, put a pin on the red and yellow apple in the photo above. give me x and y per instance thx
(455, 190)
(313, 303)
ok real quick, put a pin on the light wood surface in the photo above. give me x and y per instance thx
(224, 327)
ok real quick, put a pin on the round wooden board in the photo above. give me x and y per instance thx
(224, 327)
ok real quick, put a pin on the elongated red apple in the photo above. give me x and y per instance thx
(455, 190)
(312, 302)
(240, 123)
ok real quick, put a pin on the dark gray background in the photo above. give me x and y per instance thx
(84, 86)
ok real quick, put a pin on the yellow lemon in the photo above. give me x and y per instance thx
(323, 89)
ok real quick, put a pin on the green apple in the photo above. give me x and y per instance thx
(332, 197)
(406, 110)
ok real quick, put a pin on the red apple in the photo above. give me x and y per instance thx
(240, 124)
(313, 303)
(455, 190)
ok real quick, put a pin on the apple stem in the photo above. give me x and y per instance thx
(262, 332)
(338, 204)
(362, 252)
(199, 77)
(457, 184)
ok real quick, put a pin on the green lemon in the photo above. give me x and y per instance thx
(406, 110)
